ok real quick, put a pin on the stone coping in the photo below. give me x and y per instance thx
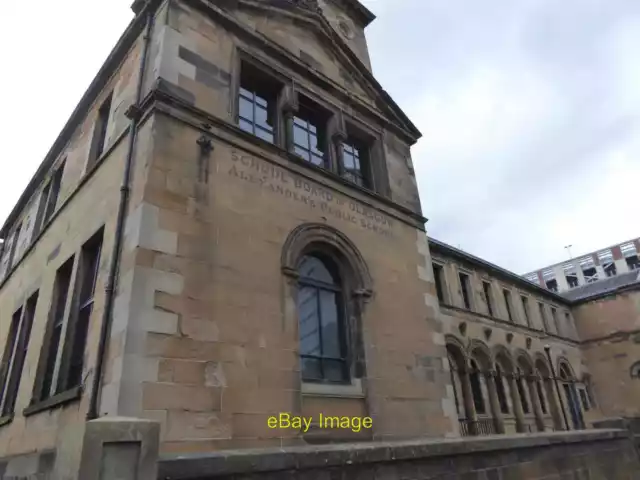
(229, 462)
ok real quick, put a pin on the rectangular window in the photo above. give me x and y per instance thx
(543, 317)
(49, 198)
(608, 265)
(14, 245)
(15, 375)
(630, 254)
(438, 273)
(310, 133)
(570, 275)
(585, 400)
(100, 132)
(9, 350)
(588, 267)
(257, 103)
(76, 336)
(525, 309)
(486, 288)
(570, 325)
(507, 302)
(355, 161)
(465, 286)
(549, 279)
(554, 318)
(56, 322)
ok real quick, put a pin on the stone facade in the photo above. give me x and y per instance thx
(189, 310)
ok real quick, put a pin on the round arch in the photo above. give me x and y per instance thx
(480, 352)
(502, 356)
(324, 238)
(565, 371)
(634, 370)
(523, 361)
(541, 365)
(456, 352)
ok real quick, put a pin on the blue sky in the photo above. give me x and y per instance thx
(530, 111)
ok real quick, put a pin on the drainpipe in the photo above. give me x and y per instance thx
(134, 114)
(547, 349)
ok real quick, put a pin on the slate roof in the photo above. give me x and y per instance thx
(603, 287)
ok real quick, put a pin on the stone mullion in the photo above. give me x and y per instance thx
(496, 413)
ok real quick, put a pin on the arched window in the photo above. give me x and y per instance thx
(502, 396)
(476, 388)
(543, 404)
(521, 391)
(322, 324)
(635, 370)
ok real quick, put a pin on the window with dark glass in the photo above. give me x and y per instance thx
(585, 400)
(49, 199)
(486, 288)
(9, 349)
(257, 103)
(543, 404)
(100, 132)
(321, 321)
(19, 356)
(507, 302)
(476, 388)
(438, 274)
(310, 133)
(554, 317)
(525, 309)
(56, 319)
(354, 161)
(76, 336)
(543, 317)
(502, 396)
(523, 395)
(14, 245)
(465, 286)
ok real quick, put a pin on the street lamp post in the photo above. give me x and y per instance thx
(547, 350)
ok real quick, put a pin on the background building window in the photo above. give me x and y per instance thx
(258, 97)
(321, 321)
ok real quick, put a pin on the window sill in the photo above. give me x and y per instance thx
(57, 400)
(7, 419)
(352, 390)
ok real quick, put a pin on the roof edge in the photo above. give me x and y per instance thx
(115, 58)
(438, 245)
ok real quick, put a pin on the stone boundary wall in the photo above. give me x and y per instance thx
(591, 454)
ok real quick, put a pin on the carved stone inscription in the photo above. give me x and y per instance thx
(279, 181)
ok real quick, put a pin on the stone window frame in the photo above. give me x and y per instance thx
(59, 390)
(100, 134)
(527, 314)
(471, 276)
(357, 286)
(503, 300)
(491, 311)
(442, 264)
(15, 355)
(340, 125)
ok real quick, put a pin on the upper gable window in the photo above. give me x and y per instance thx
(257, 102)
(310, 134)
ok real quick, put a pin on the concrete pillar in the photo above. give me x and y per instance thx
(532, 381)
(496, 413)
(118, 448)
(558, 271)
(469, 406)
(517, 402)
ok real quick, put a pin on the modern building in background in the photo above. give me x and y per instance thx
(229, 228)
(592, 267)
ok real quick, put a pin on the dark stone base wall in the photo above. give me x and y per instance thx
(588, 455)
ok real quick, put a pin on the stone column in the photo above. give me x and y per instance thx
(517, 402)
(532, 381)
(467, 397)
(496, 413)
(118, 448)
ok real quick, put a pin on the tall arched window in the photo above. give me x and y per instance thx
(476, 388)
(521, 391)
(322, 324)
(502, 396)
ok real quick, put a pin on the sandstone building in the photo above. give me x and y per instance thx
(229, 227)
